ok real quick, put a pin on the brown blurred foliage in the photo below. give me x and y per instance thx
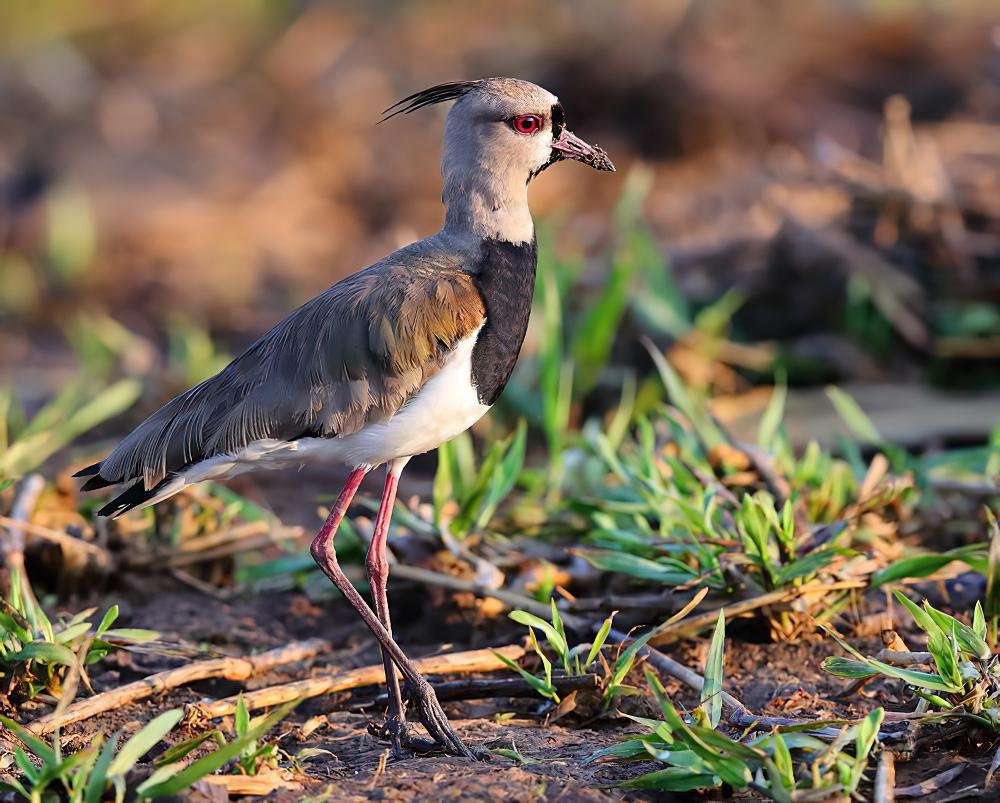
(222, 160)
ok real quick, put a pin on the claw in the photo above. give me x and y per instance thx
(432, 717)
(393, 731)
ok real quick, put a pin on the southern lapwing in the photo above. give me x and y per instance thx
(388, 363)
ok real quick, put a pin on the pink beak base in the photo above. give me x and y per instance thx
(570, 146)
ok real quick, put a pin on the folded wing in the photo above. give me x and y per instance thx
(348, 357)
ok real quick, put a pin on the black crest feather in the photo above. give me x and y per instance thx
(426, 97)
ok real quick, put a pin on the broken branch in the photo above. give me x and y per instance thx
(470, 661)
(227, 668)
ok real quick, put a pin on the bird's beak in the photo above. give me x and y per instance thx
(570, 146)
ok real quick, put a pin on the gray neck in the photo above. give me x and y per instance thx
(487, 201)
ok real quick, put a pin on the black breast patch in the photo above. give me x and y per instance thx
(505, 276)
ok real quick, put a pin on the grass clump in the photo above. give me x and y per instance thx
(783, 765)
(572, 662)
(36, 653)
(965, 674)
(45, 773)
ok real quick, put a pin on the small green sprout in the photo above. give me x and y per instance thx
(966, 674)
(784, 766)
(36, 653)
(82, 777)
(572, 660)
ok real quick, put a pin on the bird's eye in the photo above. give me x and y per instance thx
(526, 123)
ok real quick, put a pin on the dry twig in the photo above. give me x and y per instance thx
(885, 778)
(671, 632)
(227, 668)
(508, 687)
(933, 784)
(470, 661)
(66, 541)
(12, 547)
(510, 598)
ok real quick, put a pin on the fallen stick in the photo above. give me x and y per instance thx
(658, 602)
(24, 505)
(251, 785)
(55, 536)
(226, 668)
(511, 598)
(885, 778)
(223, 550)
(200, 543)
(668, 633)
(932, 784)
(12, 546)
(901, 658)
(508, 687)
(470, 661)
(681, 673)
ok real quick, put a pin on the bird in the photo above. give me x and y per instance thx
(388, 363)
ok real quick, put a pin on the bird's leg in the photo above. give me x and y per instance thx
(377, 563)
(428, 708)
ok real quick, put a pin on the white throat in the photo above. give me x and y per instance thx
(487, 202)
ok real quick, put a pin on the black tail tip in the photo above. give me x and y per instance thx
(89, 471)
(133, 496)
(96, 483)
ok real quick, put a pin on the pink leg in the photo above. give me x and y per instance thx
(377, 563)
(422, 694)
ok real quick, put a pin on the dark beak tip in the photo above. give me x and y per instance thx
(599, 160)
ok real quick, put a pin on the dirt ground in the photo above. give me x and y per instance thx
(772, 679)
(211, 174)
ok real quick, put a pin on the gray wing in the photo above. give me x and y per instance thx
(352, 355)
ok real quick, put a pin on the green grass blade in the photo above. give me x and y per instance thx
(923, 619)
(923, 565)
(599, 639)
(45, 652)
(108, 620)
(677, 392)
(144, 741)
(206, 765)
(32, 742)
(711, 693)
(673, 779)
(993, 569)
(562, 647)
(98, 779)
(136, 634)
(554, 637)
(242, 718)
(847, 668)
(850, 412)
(770, 422)
(539, 685)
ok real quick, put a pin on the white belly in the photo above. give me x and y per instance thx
(443, 408)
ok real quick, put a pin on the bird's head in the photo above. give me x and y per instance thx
(504, 123)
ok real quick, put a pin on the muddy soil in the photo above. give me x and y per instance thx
(772, 679)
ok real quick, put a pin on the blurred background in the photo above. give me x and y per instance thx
(802, 239)
(808, 191)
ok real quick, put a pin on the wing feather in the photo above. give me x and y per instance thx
(352, 355)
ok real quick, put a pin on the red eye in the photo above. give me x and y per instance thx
(526, 123)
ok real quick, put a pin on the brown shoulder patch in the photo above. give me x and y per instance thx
(437, 311)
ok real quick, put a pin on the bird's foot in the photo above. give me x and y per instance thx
(396, 731)
(425, 702)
